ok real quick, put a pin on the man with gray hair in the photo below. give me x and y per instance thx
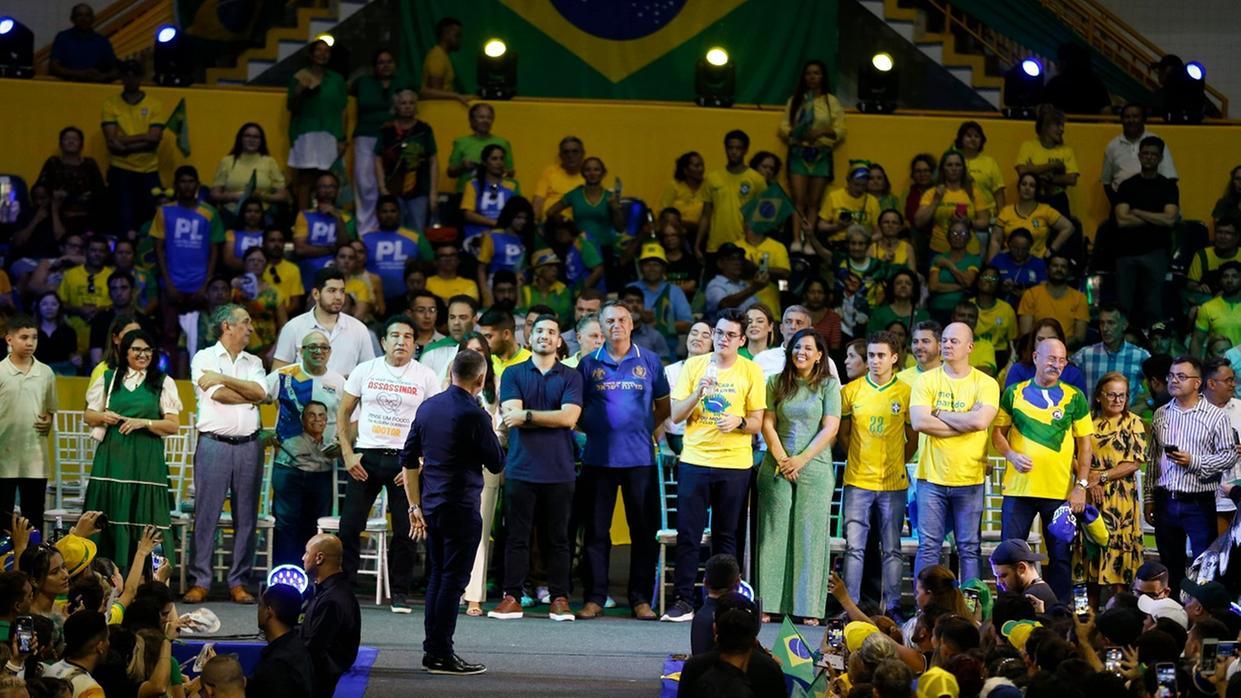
(302, 474)
(229, 384)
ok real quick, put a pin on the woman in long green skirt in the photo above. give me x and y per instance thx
(137, 405)
(796, 480)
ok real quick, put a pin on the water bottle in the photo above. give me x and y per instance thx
(712, 375)
(58, 531)
(616, 188)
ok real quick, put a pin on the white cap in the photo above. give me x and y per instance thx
(1164, 608)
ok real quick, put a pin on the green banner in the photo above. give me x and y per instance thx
(613, 50)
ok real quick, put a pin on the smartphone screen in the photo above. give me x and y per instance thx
(1081, 601)
(25, 633)
(836, 633)
(1206, 659)
(1112, 659)
(1165, 675)
(1227, 648)
(971, 599)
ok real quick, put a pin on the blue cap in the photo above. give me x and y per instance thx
(1014, 550)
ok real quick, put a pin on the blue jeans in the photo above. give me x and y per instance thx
(723, 491)
(1179, 517)
(1016, 518)
(858, 505)
(414, 213)
(298, 500)
(939, 504)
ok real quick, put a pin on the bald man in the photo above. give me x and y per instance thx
(953, 405)
(222, 677)
(1037, 424)
(332, 627)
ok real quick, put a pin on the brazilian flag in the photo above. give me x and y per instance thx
(795, 658)
(768, 211)
(606, 49)
(178, 122)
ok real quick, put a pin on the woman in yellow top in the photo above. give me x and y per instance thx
(814, 124)
(988, 181)
(685, 192)
(891, 247)
(1038, 218)
(954, 198)
(248, 158)
(559, 178)
(1049, 159)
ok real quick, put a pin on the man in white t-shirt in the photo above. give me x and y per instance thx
(387, 392)
(86, 644)
(350, 340)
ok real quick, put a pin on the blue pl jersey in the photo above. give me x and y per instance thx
(188, 234)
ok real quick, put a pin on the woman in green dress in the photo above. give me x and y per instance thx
(796, 480)
(137, 405)
(595, 209)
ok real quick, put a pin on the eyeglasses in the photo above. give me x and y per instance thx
(1115, 396)
(142, 351)
(425, 311)
(726, 335)
(317, 347)
(1182, 377)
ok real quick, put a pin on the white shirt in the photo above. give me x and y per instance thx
(1120, 161)
(772, 362)
(218, 418)
(439, 359)
(97, 397)
(350, 340)
(672, 372)
(388, 400)
(81, 681)
(1222, 502)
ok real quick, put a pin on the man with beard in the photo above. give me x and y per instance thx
(1038, 423)
(497, 326)
(540, 400)
(350, 340)
(1056, 298)
(438, 355)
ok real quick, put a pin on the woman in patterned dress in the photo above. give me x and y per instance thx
(1119, 448)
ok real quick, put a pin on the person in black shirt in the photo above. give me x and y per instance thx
(1147, 208)
(453, 436)
(1012, 561)
(284, 667)
(740, 666)
(332, 623)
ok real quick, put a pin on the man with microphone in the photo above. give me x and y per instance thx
(453, 438)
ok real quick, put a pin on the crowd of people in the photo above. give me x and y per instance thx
(581, 342)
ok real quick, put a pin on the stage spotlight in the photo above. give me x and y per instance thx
(1195, 71)
(16, 49)
(174, 61)
(1023, 89)
(878, 85)
(1186, 100)
(715, 79)
(497, 71)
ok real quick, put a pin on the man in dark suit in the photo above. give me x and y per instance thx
(453, 437)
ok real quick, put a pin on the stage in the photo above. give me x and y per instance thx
(533, 656)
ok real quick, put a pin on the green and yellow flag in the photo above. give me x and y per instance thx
(768, 211)
(178, 122)
(250, 186)
(795, 658)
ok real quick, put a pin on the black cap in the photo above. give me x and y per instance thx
(1212, 595)
(1014, 550)
(1150, 571)
(729, 250)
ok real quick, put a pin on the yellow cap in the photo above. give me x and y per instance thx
(77, 553)
(936, 683)
(856, 633)
(653, 250)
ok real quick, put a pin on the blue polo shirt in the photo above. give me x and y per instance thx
(540, 455)
(618, 414)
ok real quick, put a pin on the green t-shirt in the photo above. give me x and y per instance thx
(471, 148)
(593, 219)
(375, 102)
(883, 316)
(322, 109)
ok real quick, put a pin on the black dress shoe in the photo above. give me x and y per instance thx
(453, 665)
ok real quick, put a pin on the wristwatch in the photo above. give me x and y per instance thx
(414, 508)
(935, 413)
(1084, 484)
(529, 417)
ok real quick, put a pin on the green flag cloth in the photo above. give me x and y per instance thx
(179, 124)
(794, 656)
(768, 211)
(250, 186)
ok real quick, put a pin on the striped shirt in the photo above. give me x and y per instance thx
(1204, 431)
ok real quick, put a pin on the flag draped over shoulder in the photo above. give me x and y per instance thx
(178, 122)
(768, 211)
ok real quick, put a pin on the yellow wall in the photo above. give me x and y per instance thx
(637, 141)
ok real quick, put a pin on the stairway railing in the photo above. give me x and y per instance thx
(1120, 43)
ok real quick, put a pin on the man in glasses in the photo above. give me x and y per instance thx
(1151, 580)
(84, 289)
(1038, 424)
(1192, 447)
(721, 397)
(1221, 383)
(302, 477)
(350, 340)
